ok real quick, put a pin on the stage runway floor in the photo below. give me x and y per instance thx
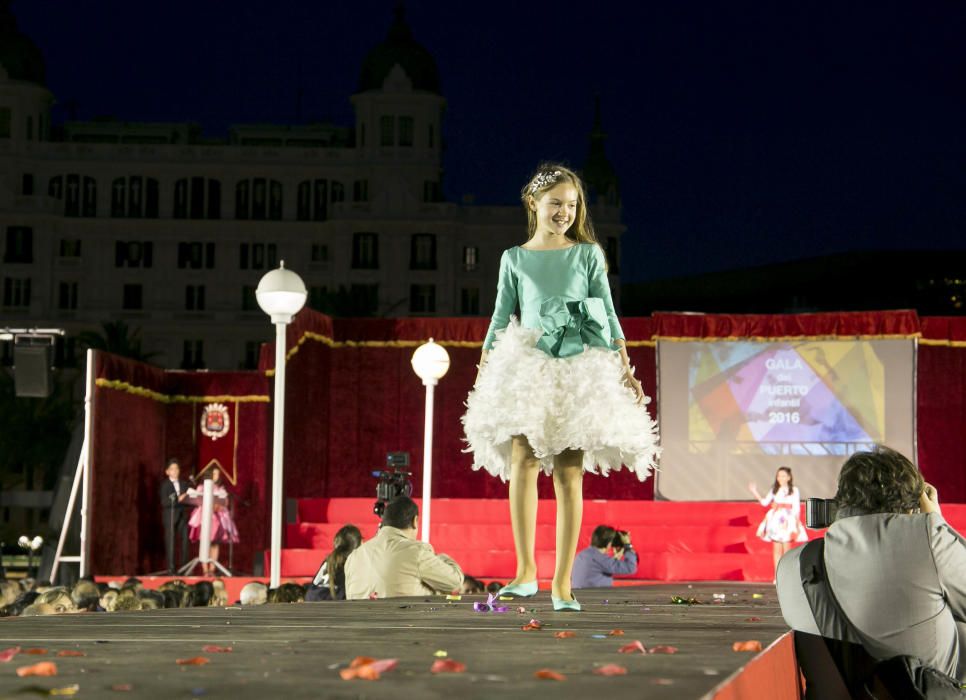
(296, 651)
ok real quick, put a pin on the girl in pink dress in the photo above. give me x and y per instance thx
(781, 525)
(222, 526)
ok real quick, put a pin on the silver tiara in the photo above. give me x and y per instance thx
(544, 178)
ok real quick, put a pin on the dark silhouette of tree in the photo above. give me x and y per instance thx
(117, 338)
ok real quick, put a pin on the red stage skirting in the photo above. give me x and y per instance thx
(684, 541)
(772, 674)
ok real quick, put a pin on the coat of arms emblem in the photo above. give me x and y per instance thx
(215, 422)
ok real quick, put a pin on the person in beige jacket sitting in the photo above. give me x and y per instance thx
(394, 564)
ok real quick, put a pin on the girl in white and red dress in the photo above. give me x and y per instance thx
(782, 524)
(222, 526)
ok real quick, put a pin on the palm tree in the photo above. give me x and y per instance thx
(116, 338)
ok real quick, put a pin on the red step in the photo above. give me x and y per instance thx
(675, 541)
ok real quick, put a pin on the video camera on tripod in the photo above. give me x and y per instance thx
(393, 481)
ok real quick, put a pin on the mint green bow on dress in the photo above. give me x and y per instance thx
(569, 325)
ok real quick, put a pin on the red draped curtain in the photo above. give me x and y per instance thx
(143, 415)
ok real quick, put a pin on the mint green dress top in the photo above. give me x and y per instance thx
(563, 292)
(552, 375)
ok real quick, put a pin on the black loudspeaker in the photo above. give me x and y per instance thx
(31, 371)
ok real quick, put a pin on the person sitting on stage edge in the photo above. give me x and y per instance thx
(895, 567)
(394, 563)
(593, 568)
(174, 513)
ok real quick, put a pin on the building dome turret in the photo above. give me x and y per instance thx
(19, 56)
(400, 49)
(598, 173)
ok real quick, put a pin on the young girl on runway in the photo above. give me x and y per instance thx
(781, 525)
(555, 390)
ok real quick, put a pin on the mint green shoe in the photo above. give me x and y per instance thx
(519, 590)
(561, 605)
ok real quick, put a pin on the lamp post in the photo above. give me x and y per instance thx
(280, 294)
(430, 362)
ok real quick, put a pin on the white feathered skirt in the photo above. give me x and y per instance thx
(578, 402)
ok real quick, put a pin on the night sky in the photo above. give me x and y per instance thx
(743, 133)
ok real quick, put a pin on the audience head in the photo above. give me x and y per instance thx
(9, 592)
(401, 513)
(59, 598)
(150, 599)
(494, 587)
(219, 598)
(602, 537)
(472, 586)
(201, 594)
(286, 593)
(880, 481)
(85, 595)
(254, 593)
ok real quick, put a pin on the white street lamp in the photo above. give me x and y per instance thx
(280, 294)
(430, 362)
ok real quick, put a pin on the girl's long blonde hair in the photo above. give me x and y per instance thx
(547, 176)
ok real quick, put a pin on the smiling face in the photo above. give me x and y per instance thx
(783, 476)
(556, 209)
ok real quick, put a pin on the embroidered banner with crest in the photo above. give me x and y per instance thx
(216, 439)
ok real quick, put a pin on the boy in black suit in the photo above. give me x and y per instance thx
(174, 510)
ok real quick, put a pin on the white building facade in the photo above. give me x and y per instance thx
(155, 226)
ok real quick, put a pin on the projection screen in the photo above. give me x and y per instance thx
(732, 412)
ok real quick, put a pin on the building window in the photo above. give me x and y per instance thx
(70, 247)
(337, 190)
(193, 356)
(194, 297)
(257, 256)
(258, 199)
(67, 296)
(365, 251)
(386, 129)
(360, 191)
(320, 253)
(252, 351)
(613, 254)
(365, 298)
(132, 297)
(471, 258)
(65, 352)
(5, 116)
(422, 253)
(422, 298)
(16, 292)
(405, 131)
(197, 198)
(134, 197)
(20, 245)
(470, 301)
(313, 200)
(318, 297)
(196, 255)
(432, 191)
(249, 301)
(27, 184)
(133, 253)
(79, 194)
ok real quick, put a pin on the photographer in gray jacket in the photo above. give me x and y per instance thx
(896, 568)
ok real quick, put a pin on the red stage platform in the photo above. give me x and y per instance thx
(676, 541)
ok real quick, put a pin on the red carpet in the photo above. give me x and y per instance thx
(679, 541)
